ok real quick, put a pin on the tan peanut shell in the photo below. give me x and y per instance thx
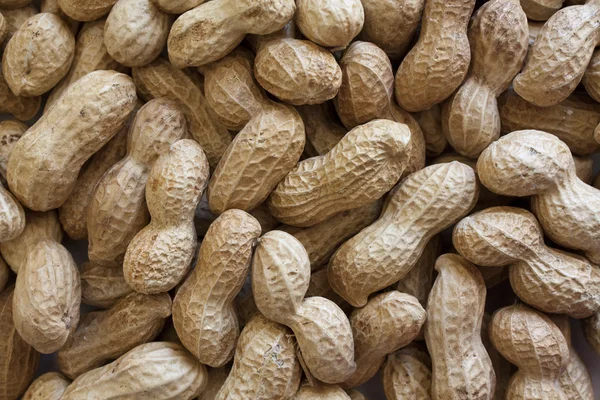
(19, 360)
(540, 10)
(51, 6)
(499, 40)
(86, 10)
(322, 129)
(323, 239)
(45, 163)
(461, 364)
(537, 164)
(11, 4)
(203, 312)
(39, 226)
(280, 279)
(49, 386)
(38, 55)
(3, 27)
(330, 23)
(102, 336)
(591, 331)
(551, 280)
(439, 62)
(387, 323)
(160, 255)
(90, 55)
(22, 108)
(102, 287)
(573, 120)
(364, 165)
(426, 203)
(12, 216)
(532, 342)
(14, 19)
(159, 370)
(407, 374)
(431, 125)
(560, 54)
(502, 368)
(321, 392)
(391, 24)
(10, 132)
(319, 286)
(177, 6)
(259, 157)
(265, 365)
(161, 79)
(213, 29)
(591, 77)
(136, 32)
(117, 211)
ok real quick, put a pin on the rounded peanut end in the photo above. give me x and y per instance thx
(330, 23)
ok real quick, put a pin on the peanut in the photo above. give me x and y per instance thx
(3, 27)
(330, 23)
(22, 108)
(38, 55)
(363, 166)
(136, 32)
(439, 62)
(461, 364)
(117, 211)
(591, 331)
(502, 368)
(12, 216)
(537, 164)
(19, 360)
(322, 129)
(10, 132)
(51, 6)
(499, 39)
(590, 79)
(550, 280)
(407, 374)
(280, 279)
(532, 342)
(321, 392)
(11, 4)
(561, 53)
(86, 10)
(14, 19)
(161, 79)
(265, 365)
(102, 336)
(159, 256)
(431, 125)
(177, 6)
(203, 312)
(159, 370)
(102, 287)
(87, 116)
(212, 30)
(540, 10)
(388, 322)
(49, 386)
(426, 203)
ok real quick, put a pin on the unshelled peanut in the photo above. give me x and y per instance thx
(83, 10)
(407, 374)
(49, 386)
(22, 108)
(330, 23)
(102, 287)
(10, 132)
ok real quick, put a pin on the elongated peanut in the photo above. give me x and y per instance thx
(537, 164)
(85, 118)
(330, 23)
(22, 108)
(19, 360)
(550, 280)
(213, 29)
(532, 342)
(471, 119)
(461, 364)
(38, 55)
(407, 374)
(322, 129)
(49, 386)
(280, 279)
(321, 392)
(560, 54)
(86, 10)
(265, 365)
(161, 79)
(160, 370)
(102, 287)
(14, 19)
(10, 132)
(426, 203)
(364, 165)
(90, 55)
(439, 62)
(159, 256)
(117, 211)
(388, 322)
(102, 336)
(177, 6)
(430, 122)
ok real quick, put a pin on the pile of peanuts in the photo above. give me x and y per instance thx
(287, 199)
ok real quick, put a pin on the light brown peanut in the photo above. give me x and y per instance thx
(280, 279)
(117, 211)
(12, 216)
(461, 364)
(322, 129)
(160, 370)
(161, 79)
(321, 392)
(591, 78)
(540, 10)
(86, 10)
(426, 203)
(502, 368)
(213, 29)
(532, 342)
(102, 287)
(364, 165)
(10, 132)
(407, 374)
(49, 386)
(22, 108)
(388, 322)
(330, 23)
(38, 55)
(177, 6)
(430, 122)
(51, 6)
(102, 336)
(14, 19)
(160, 255)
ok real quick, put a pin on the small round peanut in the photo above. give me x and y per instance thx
(330, 23)
(86, 10)
(49, 386)
(407, 374)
